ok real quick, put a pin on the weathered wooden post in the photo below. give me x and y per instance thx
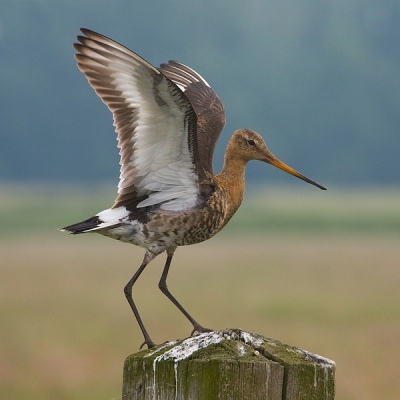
(227, 365)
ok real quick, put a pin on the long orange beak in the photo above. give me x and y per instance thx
(271, 159)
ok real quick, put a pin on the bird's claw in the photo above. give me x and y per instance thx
(199, 329)
(149, 344)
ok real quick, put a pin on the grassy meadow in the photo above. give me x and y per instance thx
(318, 270)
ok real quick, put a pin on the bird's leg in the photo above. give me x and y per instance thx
(163, 287)
(128, 295)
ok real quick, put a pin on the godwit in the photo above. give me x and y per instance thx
(168, 120)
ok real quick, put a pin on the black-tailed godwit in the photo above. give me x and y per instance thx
(168, 120)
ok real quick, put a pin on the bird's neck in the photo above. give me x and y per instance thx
(231, 182)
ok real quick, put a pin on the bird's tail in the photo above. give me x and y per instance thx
(84, 226)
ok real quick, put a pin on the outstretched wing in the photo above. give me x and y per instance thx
(207, 105)
(155, 122)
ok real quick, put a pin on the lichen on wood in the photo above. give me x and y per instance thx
(229, 364)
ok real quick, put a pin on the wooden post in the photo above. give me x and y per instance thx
(227, 365)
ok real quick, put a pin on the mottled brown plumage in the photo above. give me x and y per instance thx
(168, 121)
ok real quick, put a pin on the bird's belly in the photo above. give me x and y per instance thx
(167, 229)
(136, 233)
(203, 226)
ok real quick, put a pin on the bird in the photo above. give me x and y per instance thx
(168, 120)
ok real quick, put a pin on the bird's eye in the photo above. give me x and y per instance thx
(251, 142)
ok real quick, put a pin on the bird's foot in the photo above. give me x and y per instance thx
(199, 329)
(149, 344)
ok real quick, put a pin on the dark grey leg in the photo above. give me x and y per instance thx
(163, 287)
(128, 295)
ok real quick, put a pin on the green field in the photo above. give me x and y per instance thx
(40, 207)
(318, 270)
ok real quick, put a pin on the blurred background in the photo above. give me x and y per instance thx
(320, 81)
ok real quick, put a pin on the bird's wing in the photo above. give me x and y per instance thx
(208, 107)
(155, 122)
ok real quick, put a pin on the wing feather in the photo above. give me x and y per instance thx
(155, 122)
(207, 105)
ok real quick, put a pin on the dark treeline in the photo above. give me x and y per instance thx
(320, 80)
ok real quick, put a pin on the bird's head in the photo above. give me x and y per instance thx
(249, 145)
